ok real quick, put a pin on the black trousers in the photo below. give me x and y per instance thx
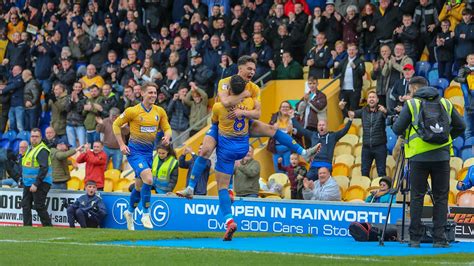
(39, 199)
(82, 217)
(377, 153)
(419, 172)
(352, 98)
(4, 115)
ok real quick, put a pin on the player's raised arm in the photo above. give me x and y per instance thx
(123, 119)
(230, 100)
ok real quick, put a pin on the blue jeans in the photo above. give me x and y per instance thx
(32, 118)
(92, 136)
(469, 119)
(116, 156)
(62, 185)
(9, 182)
(76, 133)
(45, 85)
(17, 117)
(281, 152)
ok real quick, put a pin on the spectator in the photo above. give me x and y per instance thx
(164, 169)
(201, 187)
(109, 100)
(44, 53)
(393, 67)
(36, 173)
(338, 54)
(15, 25)
(17, 53)
(295, 172)
(452, 11)
(426, 20)
(225, 69)
(98, 48)
(96, 163)
(172, 82)
(312, 107)
(109, 67)
(128, 99)
(468, 181)
(57, 106)
(14, 90)
(383, 81)
(381, 195)
(351, 70)
(318, 57)
(330, 25)
(50, 137)
(92, 109)
(111, 147)
(400, 91)
(246, 176)
(31, 98)
(60, 154)
(325, 188)
(147, 73)
(178, 113)
(262, 53)
(75, 129)
(328, 142)
(407, 34)
(196, 100)
(443, 45)
(64, 75)
(88, 210)
(367, 42)
(386, 18)
(212, 51)
(463, 37)
(467, 82)
(127, 65)
(374, 139)
(79, 43)
(91, 79)
(351, 26)
(288, 68)
(11, 164)
(201, 74)
(284, 42)
(281, 120)
(311, 29)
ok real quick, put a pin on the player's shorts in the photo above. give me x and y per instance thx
(214, 130)
(229, 150)
(140, 162)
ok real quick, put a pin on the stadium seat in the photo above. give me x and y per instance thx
(458, 143)
(452, 173)
(468, 162)
(452, 91)
(273, 197)
(459, 100)
(15, 145)
(368, 67)
(465, 198)
(109, 185)
(469, 142)
(347, 159)
(5, 144)
(212, 188)
(427, 201)
(451, 198)
(342, 181)
(45, 118)
(452, 186)
(357, 150)
(113, 174)
(355, 171)
(123, 185)
(74, 183)
(354, 192)
(391, 139)
(391, 163)
(349, 138)
(340, 169)
(442, 83)
(374, 174)
(354, 130)
(462, 174)
(342, 148)
(433, 77)
(422, 68)
(279, 178)
(456, 163)
(466, 153)
(80, 172)
(455, 83)
(375, 182)
(362, 181)
(10, 135)
(459, 108)
(24, 135)
(358, 160)
(286, 192)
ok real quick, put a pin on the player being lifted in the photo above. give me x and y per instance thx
(246, 70)
(145, 120)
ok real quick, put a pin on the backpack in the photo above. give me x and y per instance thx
(366, 232)
(433, 121)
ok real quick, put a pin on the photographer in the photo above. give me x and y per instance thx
(428, 150)
(88, 210)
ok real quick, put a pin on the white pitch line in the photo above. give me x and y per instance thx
(335, 257)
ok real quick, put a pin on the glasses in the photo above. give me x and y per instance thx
(285, 107)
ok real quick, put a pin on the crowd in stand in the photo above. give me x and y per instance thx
(71, 67)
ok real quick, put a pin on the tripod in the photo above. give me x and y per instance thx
(402, 185)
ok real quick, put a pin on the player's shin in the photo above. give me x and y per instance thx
(286, 140)
(198, 168)
(134, 200)
(145, 197)
(225, 205)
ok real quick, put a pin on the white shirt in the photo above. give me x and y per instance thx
(348, 81)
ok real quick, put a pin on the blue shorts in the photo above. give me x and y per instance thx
(214, 130)
(140, 162)
(229, 150)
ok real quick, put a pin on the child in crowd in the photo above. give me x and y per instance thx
(296, 173)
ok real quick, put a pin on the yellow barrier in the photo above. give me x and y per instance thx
(272, 95)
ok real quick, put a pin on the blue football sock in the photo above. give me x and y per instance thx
(285, 140)
(134, 200)
(198, 167)
(224, 204)
(146, 195)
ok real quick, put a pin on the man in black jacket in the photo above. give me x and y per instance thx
(426, 19)
(64, 75)
(202, 75)
(407, 34)
(386, 18)
(352, 69)
(318, 57)
(374, 138)
(427, 159)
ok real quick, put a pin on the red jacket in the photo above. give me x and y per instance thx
(290, 7)
(95, 166)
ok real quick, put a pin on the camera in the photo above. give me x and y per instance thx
(391, 119)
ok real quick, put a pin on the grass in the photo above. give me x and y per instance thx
(64, 246)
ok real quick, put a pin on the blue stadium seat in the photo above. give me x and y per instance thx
(466, 153)
(433, 77)
(456, 152)
(391, 139)
(45, 118)
(43, 129)
(454, 70)
(10, 135)
(24, 135)
(15, 145)
(434, 66)
(5, 143)
(443, 83)
(469, 142)
(458, 143)
(422, 68)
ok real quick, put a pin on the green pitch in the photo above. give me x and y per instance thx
(64, 246)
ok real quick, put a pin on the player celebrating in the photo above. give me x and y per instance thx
(145, 120)
(246, 66)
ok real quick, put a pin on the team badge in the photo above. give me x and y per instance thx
(225, 86)
(157, 117)
(140, 165)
